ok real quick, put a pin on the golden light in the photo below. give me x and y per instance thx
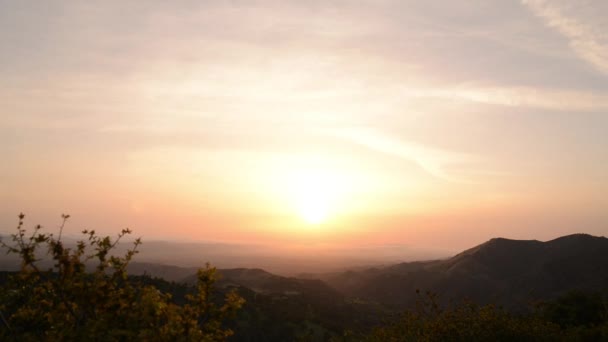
(315, 194)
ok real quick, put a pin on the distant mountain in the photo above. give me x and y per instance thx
(167, 272)
(254, 279)
(508, 272)
(314, 307)
(264, 282)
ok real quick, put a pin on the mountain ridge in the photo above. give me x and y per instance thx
(507, 271)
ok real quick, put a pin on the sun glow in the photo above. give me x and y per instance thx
(316, 195)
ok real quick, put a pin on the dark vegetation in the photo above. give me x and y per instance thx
(512, 273)
(87, 295)
(503, 290)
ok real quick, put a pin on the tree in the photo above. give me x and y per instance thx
(463, 322)
(86, 294)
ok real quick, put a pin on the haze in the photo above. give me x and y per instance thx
(307, 125)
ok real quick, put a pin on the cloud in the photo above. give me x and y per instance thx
(543, 98)
(586, 37)
(432, 160)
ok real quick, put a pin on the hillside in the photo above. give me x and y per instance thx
(509, 272)
(513, 273)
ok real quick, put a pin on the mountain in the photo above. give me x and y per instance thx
(509, 272)
(512, 273)
(167, 272)
(264, 282)
(254, 279)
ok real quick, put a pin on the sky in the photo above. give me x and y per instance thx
(332, 124)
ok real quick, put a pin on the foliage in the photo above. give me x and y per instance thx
(86, 295)
(465, 322)
(470, 322)
(582, 316)
(66, 292)
(576, 308)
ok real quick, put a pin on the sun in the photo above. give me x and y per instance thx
(315, 194)
(312, 206)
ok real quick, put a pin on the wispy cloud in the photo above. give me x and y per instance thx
(544, 98)
(432, 160)
(588, 39)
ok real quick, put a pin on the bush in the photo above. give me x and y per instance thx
(86, 295)
(464, 322)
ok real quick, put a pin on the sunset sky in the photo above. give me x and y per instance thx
(436, 124)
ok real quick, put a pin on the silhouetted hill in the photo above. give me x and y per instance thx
(509, 272)
(255, 279)
(167, 272)
(263, 282)
(500, 271)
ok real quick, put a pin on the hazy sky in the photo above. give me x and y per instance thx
(423, 123)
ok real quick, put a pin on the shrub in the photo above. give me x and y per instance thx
(86, 294)
(464, 322)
